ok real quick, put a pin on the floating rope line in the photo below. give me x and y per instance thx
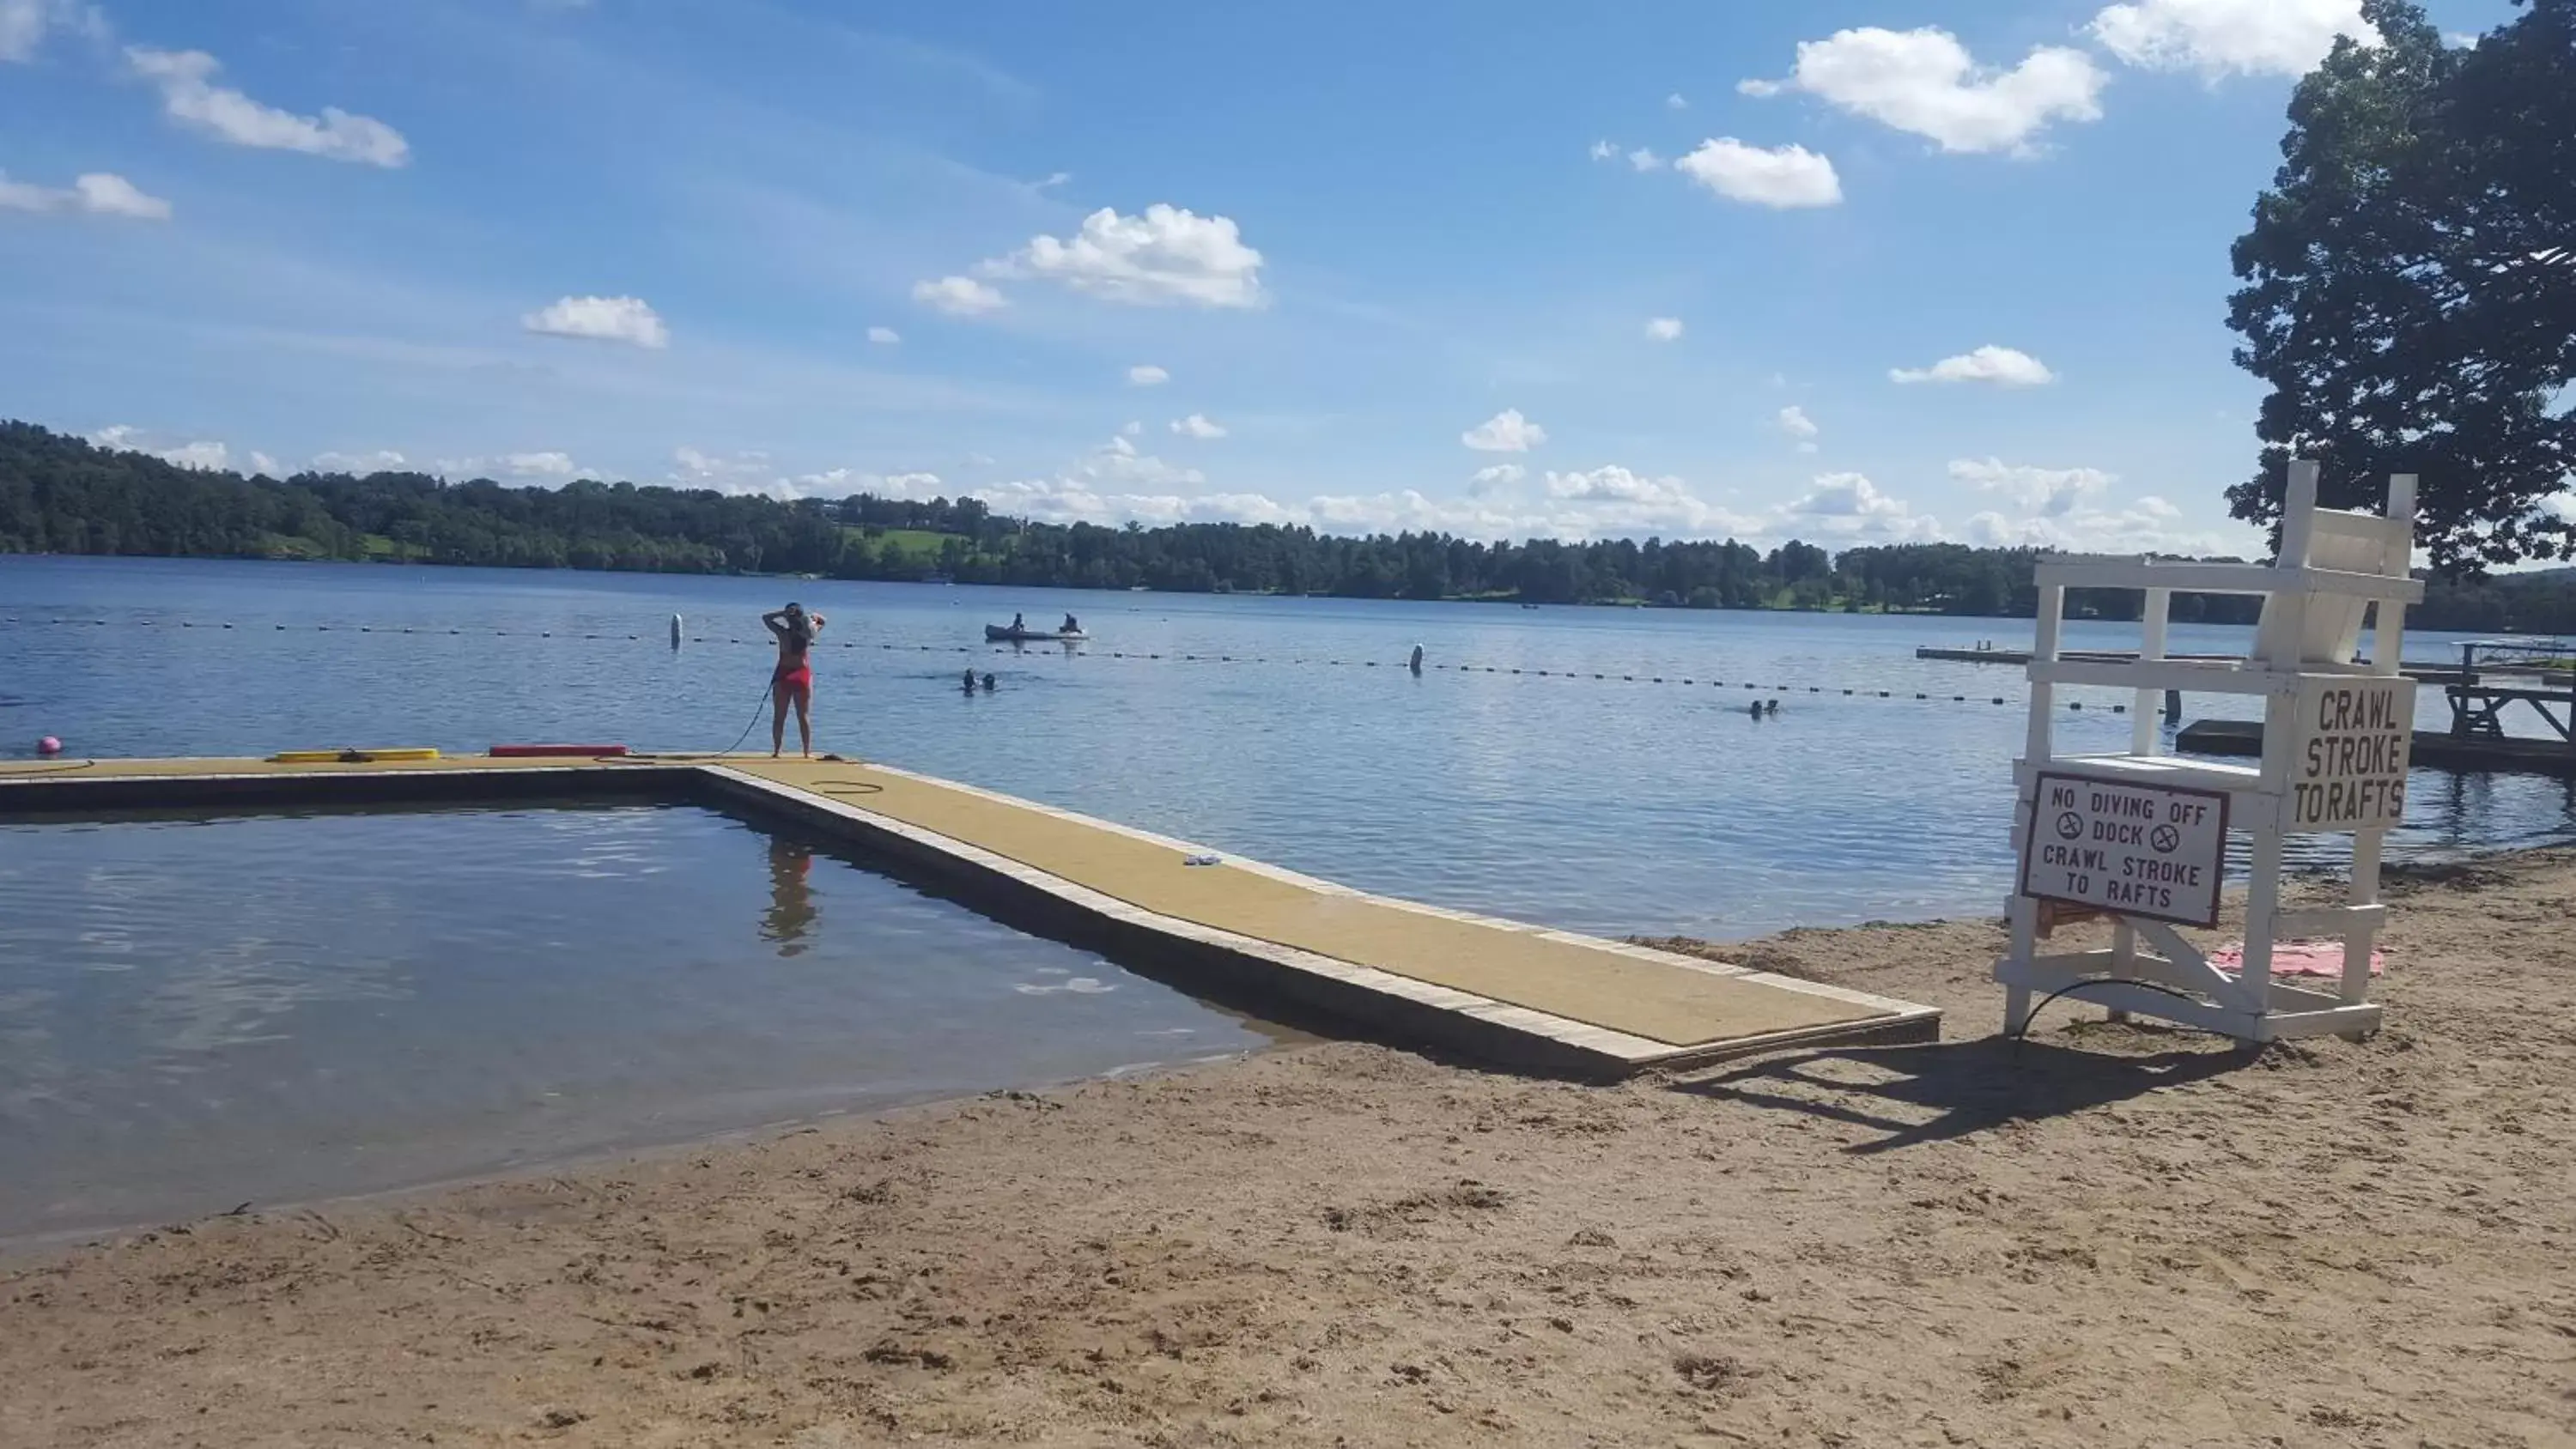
(1021, 650)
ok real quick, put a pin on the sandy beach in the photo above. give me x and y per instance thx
(2106, 1236)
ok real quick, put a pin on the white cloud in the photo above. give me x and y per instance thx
(1166, 256)
(22, 27)
(199, 455)
(23, 24)
(1611, 483)
(884, 336)
(1925, 82)
(1794, 421)
(2051, 492)
(2219, 38)
(1196, 425)
(190, 96)
(1505, 432)
(1131, 429)
(548, 465)
(383, 460)
(1603, 150)
(97, 193)
(262, 464)
(1069, 500)
(124, 438)
(604, 319)
(842, 482)
(748, 472)
(958, 296)
(104, 193)
(1499, 475)
(753, 471)
(1664, 329)
(1146, 374)
(2150, 525)
(1676, 102)
(1780, 176)
(1118, 460)
(1642, 159)
(1607, 502)
(1849, 506)
(2002, 366)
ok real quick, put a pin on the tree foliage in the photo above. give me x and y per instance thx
(2410, 284)
(61, 495)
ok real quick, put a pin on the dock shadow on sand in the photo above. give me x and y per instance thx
(1937, 1091)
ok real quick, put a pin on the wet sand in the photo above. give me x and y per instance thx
(2109, 1235)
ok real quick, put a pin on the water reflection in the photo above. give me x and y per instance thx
(194, 1013)
(791, 914)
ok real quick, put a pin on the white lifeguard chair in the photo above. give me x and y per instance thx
(2336, 732)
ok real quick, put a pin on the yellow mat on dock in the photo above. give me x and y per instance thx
(1568, 978)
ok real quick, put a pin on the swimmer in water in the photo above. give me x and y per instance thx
(791, 681)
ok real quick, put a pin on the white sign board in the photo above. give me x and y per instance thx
(2136, 850)
(2348, 770)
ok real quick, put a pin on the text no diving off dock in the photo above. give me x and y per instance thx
(2138, 850)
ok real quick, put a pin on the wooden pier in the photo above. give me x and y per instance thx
(1502, 991)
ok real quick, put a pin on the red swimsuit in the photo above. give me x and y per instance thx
(795, 675)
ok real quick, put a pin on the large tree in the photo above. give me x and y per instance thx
(2410, 284)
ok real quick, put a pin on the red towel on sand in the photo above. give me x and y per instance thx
(2296, 958)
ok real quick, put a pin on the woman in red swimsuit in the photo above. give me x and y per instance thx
(792, 681)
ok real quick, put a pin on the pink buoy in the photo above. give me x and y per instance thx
(49, 746)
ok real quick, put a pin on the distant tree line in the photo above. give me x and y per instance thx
(60, 494)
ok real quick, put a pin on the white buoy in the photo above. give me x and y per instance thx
(1416, 664)
(675, 631)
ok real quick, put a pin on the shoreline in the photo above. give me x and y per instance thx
(2106, 1235)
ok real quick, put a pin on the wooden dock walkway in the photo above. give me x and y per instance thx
(1498, 990)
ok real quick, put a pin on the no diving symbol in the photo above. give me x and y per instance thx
(2070, 826)
(2165, 838)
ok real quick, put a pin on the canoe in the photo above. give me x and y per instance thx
(1003, 634)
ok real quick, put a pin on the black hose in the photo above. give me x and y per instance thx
(2024, 1034)
(768, 692)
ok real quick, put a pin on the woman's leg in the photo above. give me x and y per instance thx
(805, 717)
(778, 697)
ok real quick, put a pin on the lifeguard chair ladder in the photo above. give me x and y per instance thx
(2333, 566)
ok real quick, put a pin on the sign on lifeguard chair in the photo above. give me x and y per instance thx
(2142, 836)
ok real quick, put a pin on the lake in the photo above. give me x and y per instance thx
(1603, 806)
(198, 1011)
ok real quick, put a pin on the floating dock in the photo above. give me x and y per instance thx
(1501, 991)
(2427, 673)
(2243, 738)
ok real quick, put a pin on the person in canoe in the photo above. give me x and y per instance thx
(791, 680)
(1072, 625)
(1018, 624)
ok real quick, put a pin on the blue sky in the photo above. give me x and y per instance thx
(1852, 272)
